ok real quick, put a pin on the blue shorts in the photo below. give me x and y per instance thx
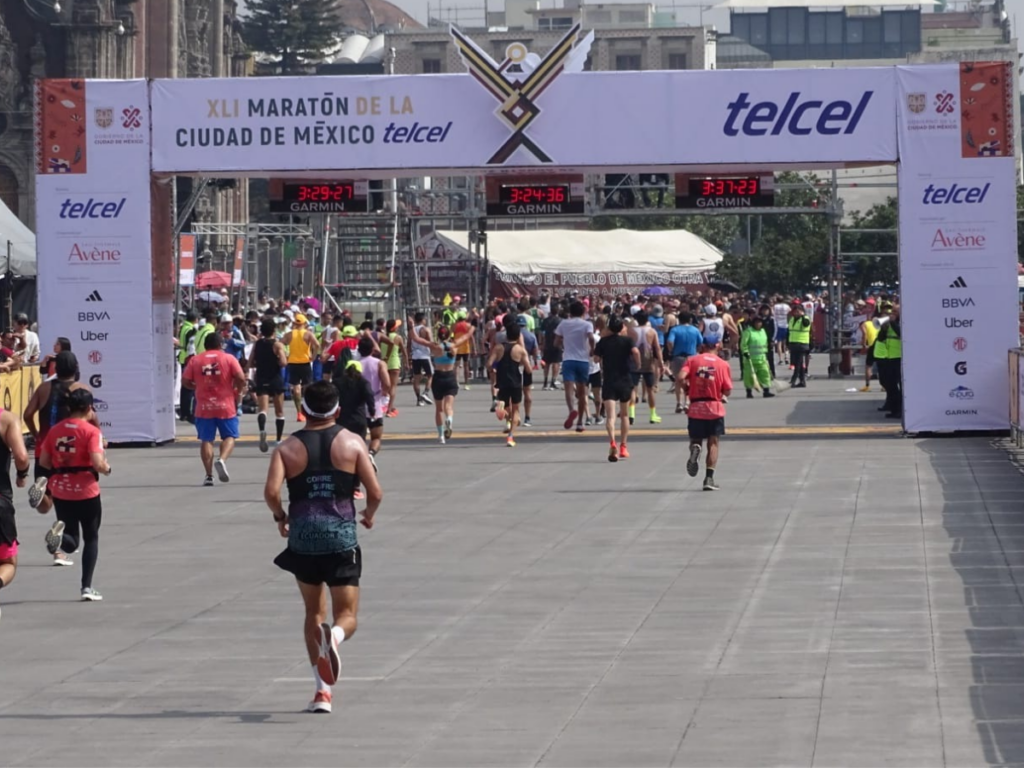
(207, 429)
(781, 334)
(577, 371)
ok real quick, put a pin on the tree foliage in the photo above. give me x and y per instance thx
(295, 34)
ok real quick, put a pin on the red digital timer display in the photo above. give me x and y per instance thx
(730, 187)
(319, 193)
(533, 194)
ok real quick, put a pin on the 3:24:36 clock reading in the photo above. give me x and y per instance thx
(533, 194)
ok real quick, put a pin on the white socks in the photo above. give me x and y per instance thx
(320, 684)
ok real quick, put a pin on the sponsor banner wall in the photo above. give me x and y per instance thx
(958, 244)
(93, 242)
(576, 119)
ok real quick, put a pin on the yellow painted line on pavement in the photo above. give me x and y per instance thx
(598, 432)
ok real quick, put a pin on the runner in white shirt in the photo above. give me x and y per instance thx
(781, 313)
(575, 336)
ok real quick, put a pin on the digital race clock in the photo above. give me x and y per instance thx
(320, 197)
(739, 192)
(535, 200)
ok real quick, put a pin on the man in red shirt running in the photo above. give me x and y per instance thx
(217, 379)
(707, 381)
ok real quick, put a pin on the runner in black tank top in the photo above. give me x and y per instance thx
(267, 360)
(509, 360)
(322, 464)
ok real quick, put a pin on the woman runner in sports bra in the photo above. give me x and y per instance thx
(445, 385)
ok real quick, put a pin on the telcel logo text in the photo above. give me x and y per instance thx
(800, 118)
(954, 194)
(92, 209)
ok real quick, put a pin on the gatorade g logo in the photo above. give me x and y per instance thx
(797, 116)
(96, 380)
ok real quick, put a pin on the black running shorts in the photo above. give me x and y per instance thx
(300, 373)
(338, 569)
(702, 429)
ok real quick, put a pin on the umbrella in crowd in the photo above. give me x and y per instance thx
(212, 297)
(213, 279)
(723, 285)
(658, 290)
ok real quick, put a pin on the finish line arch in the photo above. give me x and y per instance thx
(105, 149)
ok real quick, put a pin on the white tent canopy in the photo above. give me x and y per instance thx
(23, 244)
(539, 251)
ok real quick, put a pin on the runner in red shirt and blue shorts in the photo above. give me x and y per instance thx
(707, 380)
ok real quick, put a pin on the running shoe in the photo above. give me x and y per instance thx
(393, 413)
(623, 451)
(580, 428)
(599, 420)
(264, 446)
(655, 418)
(208, 482)
(447, 430)
(862, 389)
(613, 453)
(527, 422)
(710, 484)
(90, 595)
(221, 469)
(692, 465)
(321, 703)
(500, 412)
(571, 420)
(494, 406)
(62, 560)
(54, 537)
(586, 421)
(686, 409)
(301, 417)
(328, 664)
(420, 403)
(426, 399)
(511, 442)
(679, 407)
(36, 492)
(440, 439)
(373, 461)
(466, 387)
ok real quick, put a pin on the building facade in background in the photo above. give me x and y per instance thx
(108, 39)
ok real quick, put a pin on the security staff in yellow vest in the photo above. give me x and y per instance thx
(889, 337)
(799, 340)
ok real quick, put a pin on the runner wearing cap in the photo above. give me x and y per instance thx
(711, 327)
(302, 346)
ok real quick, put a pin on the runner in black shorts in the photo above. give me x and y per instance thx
(617, 352)
(510, 361)
(267, 360)
(323, 551)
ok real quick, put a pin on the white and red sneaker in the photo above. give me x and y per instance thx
(321, 703)
(329, 662)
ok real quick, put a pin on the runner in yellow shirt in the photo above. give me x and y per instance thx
(302, 346)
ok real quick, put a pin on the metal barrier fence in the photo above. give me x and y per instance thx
(1015, 361)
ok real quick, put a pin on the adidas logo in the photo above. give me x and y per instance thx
(94, 296)
(958, 283)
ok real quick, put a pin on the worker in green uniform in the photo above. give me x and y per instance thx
(799, 341)
(890, 337)
(754, 354)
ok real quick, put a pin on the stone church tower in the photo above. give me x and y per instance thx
(108, 39)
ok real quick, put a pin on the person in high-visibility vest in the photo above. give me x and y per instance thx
(754, 353)
(799, 341)
(869, 333)
(889, 336)
(186, 349)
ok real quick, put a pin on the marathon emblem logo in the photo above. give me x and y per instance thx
(519, 80)
(66, 444)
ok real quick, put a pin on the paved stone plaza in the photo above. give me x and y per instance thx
(849, 598)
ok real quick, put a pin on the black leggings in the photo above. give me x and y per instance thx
(81, 518)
